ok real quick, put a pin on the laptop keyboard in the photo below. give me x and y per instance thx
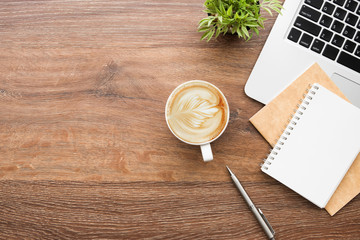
(330, 28)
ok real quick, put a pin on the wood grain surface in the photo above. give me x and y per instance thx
(85, 152)
(162, 210)
(84, 86)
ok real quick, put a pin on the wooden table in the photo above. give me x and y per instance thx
(85, 151)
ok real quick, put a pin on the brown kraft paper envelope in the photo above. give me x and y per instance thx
(272, 119)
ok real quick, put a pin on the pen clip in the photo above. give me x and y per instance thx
(266, 221)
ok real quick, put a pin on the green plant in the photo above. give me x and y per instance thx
(242, 17)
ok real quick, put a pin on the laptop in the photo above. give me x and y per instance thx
(309, 31)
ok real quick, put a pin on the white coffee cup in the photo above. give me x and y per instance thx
(205, 96)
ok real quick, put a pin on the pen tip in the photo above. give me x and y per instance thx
(229, 170)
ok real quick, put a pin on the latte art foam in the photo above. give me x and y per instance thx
(197, 113)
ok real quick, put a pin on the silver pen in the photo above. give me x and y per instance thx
(269, 231)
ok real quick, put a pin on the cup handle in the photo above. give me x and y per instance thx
(206, 152)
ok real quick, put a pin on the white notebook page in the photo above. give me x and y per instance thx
(320, 148)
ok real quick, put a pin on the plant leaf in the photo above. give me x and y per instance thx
(245, 31)
(203, 29)
(239, 33)
(209, 23)
(217, 32)
(229, 11)
(211, 34)
(222, 9)
(203, 23)
(251, 24)
(268, 10)
(220, 19)
(204, 35)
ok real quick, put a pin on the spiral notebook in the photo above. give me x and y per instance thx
(317, 147)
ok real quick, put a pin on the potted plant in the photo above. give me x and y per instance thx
(241, 17)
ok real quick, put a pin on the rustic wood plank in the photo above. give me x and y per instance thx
(82, 120)
(162, 210)
(84, 84)
(42, 24)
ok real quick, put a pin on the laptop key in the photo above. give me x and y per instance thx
(351, 19)
(330, 52)
(357, 51)
(328, 8)
(294, 35)
(349, 32)
(340, 13)
(337, 26)
(339, 2)
(349, 61)
(358, 11)
(306, 40)
(310, 13)
(338, 40)
(357, 37)
(307, 26)
(326, 35)
(315, 3)
(349, 46)
(351, 5)
(317, 46)
(325, 21)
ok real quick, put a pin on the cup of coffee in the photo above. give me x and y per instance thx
(197, 113)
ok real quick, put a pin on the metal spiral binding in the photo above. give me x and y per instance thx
(295, 117)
